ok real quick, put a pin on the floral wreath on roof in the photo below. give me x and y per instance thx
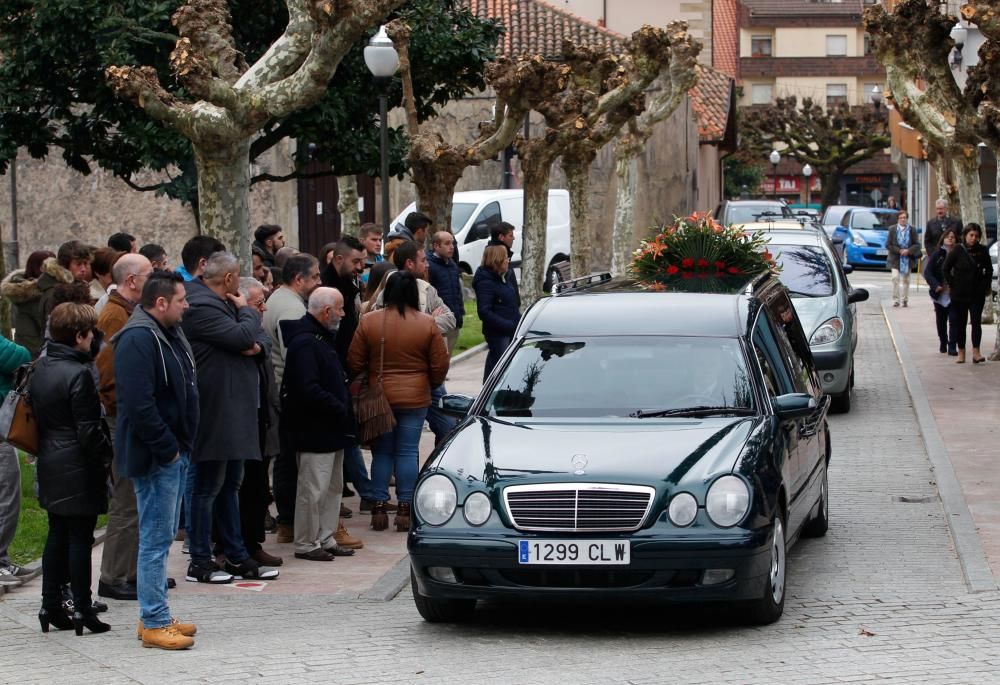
(699, 247)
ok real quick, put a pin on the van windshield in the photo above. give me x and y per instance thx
(460, 213)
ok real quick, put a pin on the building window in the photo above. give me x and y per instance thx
(836, 46)
(868, 45)
(760, 46)
(760, 94)
(836, 94)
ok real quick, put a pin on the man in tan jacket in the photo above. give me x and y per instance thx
(121, 545)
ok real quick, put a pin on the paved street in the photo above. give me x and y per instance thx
(882, 598)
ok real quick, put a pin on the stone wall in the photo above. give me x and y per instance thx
(56, 204)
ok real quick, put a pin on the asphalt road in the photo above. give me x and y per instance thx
(880, 599)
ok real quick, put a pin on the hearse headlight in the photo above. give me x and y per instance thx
(830, 331)
(727, 501)
(477, 508)
(436, 500)
(682, 510)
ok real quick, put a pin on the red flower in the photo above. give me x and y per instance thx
(703, 263)
(687, 263)
(672, 269)
(720, 265)
(703, 275)
(687, 274)
(733, 270)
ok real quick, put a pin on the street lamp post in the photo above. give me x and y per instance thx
(775, 158)
(807, 171)
(382, 61)
(876, 97)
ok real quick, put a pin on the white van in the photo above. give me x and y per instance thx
(474, 212)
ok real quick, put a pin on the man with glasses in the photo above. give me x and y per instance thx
(121, 545)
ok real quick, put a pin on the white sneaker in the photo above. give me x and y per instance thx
(8, 578)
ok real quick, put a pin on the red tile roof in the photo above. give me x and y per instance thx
(797, 8)
(711, 99)
(536, 27)
(725, 37)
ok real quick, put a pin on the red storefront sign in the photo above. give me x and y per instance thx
(788, 185)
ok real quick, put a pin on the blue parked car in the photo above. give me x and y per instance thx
(865, 231)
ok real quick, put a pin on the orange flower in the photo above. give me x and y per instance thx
(655, 249)
(657, 286)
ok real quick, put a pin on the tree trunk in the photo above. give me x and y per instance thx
(623, 234)
(533, 232)
(580, 242)
(435, 185)
(947, 186)
(965, 172)
(223, 196)
(831, 188)
(347, 205)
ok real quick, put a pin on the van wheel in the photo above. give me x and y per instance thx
(441, 610)
(769, 607)
(551, 276)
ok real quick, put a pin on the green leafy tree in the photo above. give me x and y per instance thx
(830, 139)
(740, 176)
(55, 94)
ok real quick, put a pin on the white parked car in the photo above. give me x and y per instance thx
(474, 212)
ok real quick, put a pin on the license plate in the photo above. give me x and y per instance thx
(576, 553)
(882, 253)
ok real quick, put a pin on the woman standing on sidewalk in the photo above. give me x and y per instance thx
(497, 302)
(938, 289)
(967, 271)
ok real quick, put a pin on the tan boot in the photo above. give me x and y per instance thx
(168, 637)
(961, 356)
(186, 629)
(344, 539)
(285, 533)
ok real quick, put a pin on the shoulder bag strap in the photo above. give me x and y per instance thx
(381, 356)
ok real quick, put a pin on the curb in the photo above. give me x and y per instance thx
(471, 352)
(391, 582)
(975, 566)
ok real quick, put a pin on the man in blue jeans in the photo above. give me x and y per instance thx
(156, 425)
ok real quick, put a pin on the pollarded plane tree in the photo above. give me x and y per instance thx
(436, 164)
(926, 94)
(226, 102)
(830, 140)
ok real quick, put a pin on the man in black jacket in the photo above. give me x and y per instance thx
(936, 227)
(226, 336)
(503, 234)
(443, 273)
(317, 406)
(157, 419)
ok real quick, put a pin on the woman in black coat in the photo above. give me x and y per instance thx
(74, 453)
(497, 302)
(968, 271)
(938, 289)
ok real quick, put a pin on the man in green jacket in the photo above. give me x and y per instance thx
(12, 356)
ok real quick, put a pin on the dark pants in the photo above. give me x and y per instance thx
(68, 545)
(216, 495)
(253, 504)
(356, 472)
(959, 314)
(496, 347)
(286, 478)
(941, 320)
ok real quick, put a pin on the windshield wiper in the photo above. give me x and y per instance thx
(802, 294)
(693, 411)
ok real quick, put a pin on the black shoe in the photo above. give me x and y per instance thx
(944, 348)
(123, 591)
(89, 621)
(952, 353)
(248, 569)
(270, 524)
(207, 573)
(54, 617)
(171, 583)
(339, 551)
(347, 491)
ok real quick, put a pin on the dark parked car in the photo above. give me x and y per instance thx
(631, 443)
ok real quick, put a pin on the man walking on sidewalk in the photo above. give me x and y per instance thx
(157, 423)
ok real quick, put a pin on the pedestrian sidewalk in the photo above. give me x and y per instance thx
(377, 571)
(964, 403)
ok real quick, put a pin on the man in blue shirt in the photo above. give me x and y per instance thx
(195, 253)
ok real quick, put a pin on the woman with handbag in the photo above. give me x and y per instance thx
(401, 355)
(74, 453)
(938, 289)
(968, 271)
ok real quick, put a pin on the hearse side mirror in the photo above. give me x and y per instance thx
(857, 295)
(848, 268)
(456, 405)
(795, 405)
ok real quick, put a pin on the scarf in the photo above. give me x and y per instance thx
(903, 240)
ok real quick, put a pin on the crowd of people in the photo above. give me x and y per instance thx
(184, 402)
(959, 274)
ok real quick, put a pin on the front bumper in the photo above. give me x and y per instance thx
(662, 567)
(865, 256)
(834, 366)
